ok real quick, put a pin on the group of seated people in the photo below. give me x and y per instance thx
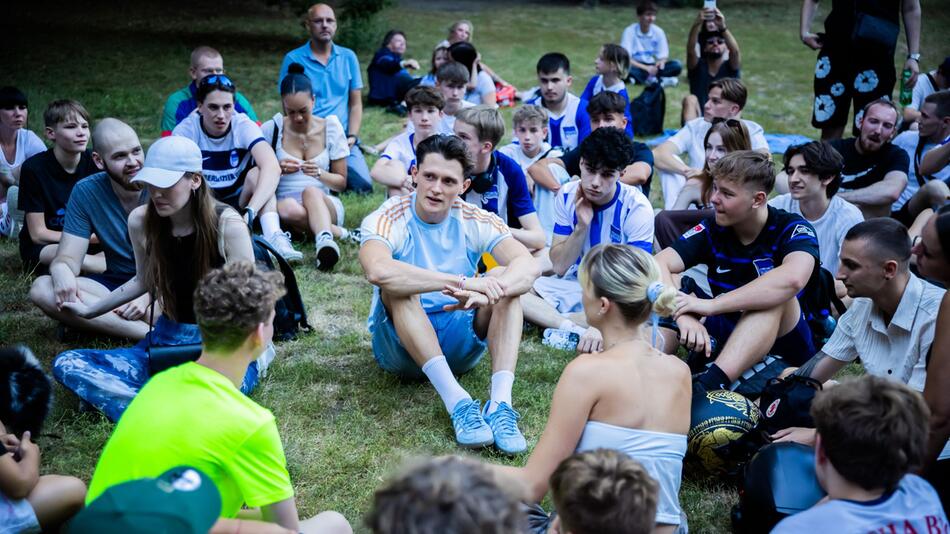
(474, 239)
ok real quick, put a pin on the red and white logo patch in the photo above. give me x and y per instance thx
(770, 411)
(693, 231)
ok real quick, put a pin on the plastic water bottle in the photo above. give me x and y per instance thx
(560, 339)
(907, 93)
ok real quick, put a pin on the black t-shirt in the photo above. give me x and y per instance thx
(640, 152)
(839, 25)
(732, 265)
(699, 78)
(862, 170)
(45, 187)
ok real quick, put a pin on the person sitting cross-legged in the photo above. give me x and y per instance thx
(195, 415)
(430, 316)
(99, 204)
(179, 235)
(599, 208)
(759, 259)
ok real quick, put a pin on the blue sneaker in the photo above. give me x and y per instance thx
(504, 425)
(471, 430)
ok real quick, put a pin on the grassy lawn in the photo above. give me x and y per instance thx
(346, 425)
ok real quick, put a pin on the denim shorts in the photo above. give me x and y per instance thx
(460, 345)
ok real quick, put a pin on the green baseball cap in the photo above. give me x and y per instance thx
(182, 499)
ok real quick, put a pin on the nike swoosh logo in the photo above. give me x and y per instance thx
(720, 270)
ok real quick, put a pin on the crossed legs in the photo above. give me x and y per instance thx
(110, 324)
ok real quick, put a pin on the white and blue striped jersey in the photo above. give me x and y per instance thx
(626, 218)
(402, 150)
(567, 129)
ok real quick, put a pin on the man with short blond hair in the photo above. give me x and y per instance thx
(205, 61)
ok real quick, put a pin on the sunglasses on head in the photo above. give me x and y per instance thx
(732, 123)
(217, 80)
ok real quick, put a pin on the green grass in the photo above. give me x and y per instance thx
(345, 424)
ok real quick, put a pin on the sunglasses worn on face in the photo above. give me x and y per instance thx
(715, 41)
(217, 80)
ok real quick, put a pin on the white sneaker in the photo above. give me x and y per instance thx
(328, 253)
(281, 242)
(670, 81)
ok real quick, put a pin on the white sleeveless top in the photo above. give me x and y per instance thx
(660, 453)
(335, 148)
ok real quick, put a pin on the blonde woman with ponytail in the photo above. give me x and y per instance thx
(630, 397)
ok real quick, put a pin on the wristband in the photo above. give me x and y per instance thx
(462, 280)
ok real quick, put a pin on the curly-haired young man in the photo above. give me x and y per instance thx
(598, 208)
(195, 415)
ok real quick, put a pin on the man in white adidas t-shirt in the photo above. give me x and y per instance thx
(568, 123)
(597, 209)
(871, 433)
(726, 99)
(239, 165)
(431, 317)
(394, 167)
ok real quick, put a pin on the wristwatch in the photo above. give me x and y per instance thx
(915, 57)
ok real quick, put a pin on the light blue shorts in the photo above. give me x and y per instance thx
(460, 345)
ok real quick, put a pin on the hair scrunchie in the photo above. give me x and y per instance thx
(654, 290)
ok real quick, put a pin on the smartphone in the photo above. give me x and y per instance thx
(709, 6)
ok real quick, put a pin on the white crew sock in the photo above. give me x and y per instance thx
(270, 223)
(438, 371)
(501, 382)
(570, 326)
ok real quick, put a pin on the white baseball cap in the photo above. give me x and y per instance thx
(167, 160)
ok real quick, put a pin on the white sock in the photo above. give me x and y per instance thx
(270, 223)
(569, 325)
(439, 373)
(324, 235)
(501, 383)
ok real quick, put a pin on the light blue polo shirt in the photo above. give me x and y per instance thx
(332, 82)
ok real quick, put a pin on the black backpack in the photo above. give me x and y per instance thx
(290, 314)
(648, 110)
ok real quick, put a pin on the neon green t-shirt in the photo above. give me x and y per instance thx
(193, 415)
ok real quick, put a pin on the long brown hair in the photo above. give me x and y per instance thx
(160, 245)
(735, 136)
